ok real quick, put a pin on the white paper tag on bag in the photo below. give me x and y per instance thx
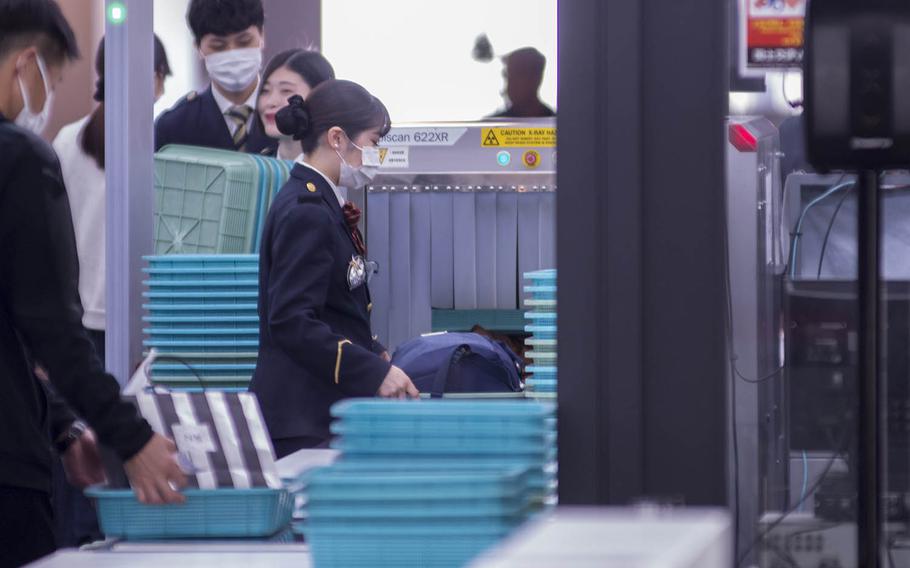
(193, 438)
(194, 442)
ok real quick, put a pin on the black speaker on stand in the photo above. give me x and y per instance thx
(857, 108)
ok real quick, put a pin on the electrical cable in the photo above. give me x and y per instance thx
(794, 248)
(770, 528)
(821, 255)
(729, 329)
(805, 487)
(185, 364)
(737, 374)
(794, 104)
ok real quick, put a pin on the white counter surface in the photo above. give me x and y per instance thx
(185, 556)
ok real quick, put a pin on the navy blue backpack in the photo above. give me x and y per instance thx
(459, 363)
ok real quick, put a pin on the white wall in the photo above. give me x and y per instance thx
(415, 55)
(170, 25)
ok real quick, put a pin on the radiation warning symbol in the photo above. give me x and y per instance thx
(490, 139)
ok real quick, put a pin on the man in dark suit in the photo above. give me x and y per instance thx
(229, 36)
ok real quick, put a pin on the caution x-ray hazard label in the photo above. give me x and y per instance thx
(505, 137)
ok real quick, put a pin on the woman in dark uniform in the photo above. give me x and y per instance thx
(316, 346)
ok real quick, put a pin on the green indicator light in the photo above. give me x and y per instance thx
(116, 12)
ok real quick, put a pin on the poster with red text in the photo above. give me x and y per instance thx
(772, 34)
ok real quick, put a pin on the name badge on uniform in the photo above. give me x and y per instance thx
(357, 272)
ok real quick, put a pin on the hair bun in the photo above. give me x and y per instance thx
(294, 119)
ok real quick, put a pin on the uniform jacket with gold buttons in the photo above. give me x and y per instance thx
(316, 346)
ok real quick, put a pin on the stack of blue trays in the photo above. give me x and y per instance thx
(377, 517)
(540, 288)
(450, 435)
(202, 317)
(430, 483)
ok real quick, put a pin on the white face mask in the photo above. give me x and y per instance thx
(28, 119)
(352, 177)
(236, 69)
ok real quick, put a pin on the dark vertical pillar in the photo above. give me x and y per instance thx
(642, 100)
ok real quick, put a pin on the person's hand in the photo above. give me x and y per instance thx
(154, 473)
(82, 462)
(397, 384)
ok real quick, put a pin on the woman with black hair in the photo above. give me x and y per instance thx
(315, 345)
(80, 148)
(291, 72)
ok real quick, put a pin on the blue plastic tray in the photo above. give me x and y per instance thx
(536, 305)
(210, 273)
(537, 476)
(207, 388)
(542, 331)
(548, 274)
(404, 438)
(543, 357)
(544, 318)
(204, 298)
(223, 513)
(240, 358)
(341, 484)
(544, 290)
(203, 369)
(442, 408)
(413, 529)
(416, 524)
(262, 199)
(382, 444)
(193, 261)
(203, 379)
(202, 310)
(162, 332)
(441, 510)
(463, 428)
(200, 275)
(542, 369)
(202, 346)
(201, 322)
(180, 286)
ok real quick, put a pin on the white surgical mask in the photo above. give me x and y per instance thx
(352, 177)
(236, 69)
(28, 119)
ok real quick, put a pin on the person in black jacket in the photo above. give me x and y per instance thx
(40, 310)
(228, 34)
(315, 345)
(524, 74)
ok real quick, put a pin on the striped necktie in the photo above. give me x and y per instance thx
(240, 115)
